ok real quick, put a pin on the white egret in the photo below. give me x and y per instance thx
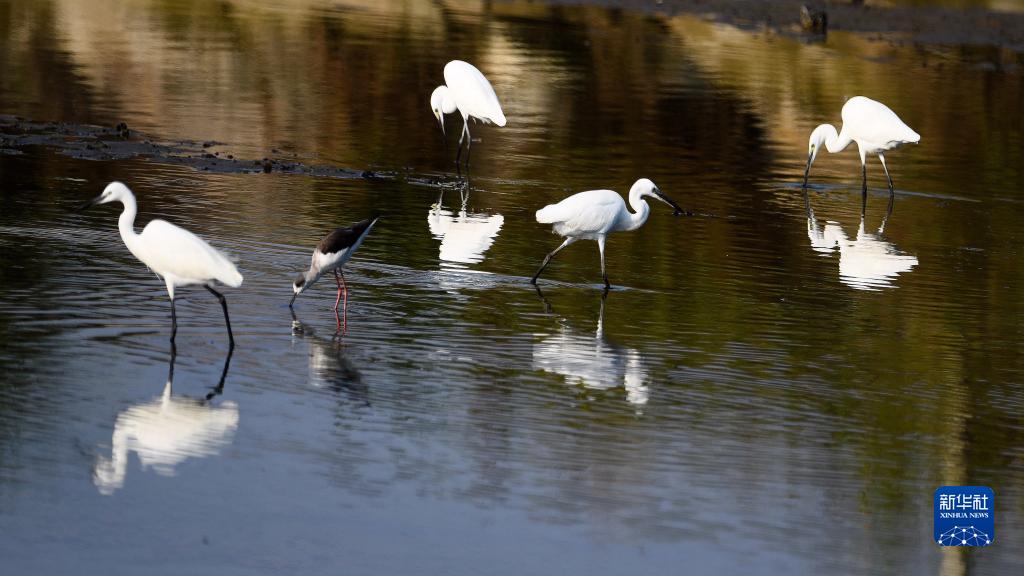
(593, 214)
(178, 256)
(468, 91)
(329, 256)
(874, 127)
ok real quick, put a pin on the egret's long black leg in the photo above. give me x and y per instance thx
(864, 188)
(600, 246)
(469, 146)
(462, 137)
(174, 324)
(548, 258)
(224, 305)
(892, 190)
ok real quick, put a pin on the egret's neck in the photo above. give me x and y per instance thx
(126, 222)
(641, 210)
(836, 141)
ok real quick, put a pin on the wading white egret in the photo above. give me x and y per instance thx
(329, 256)
(874, 127)
(593, 214)
(178, 256)
(468, 91)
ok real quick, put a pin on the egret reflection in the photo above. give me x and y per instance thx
(464, 236)
(590, 360)
(868, 262)
(167, 431)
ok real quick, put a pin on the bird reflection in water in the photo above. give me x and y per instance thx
(464, 236)
(591, 361)
(868, 262)
(166, 431)
(329, 367)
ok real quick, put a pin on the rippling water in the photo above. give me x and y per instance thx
(762, 392)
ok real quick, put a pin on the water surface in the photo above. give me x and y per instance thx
(760, 393)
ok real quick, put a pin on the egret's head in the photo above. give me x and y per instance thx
(114, 192)
(644, 187)
(817, 141)
(441, 103)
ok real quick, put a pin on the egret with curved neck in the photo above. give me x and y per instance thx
(594, 214)
(467, 90)
(178, 256)
(874, 127)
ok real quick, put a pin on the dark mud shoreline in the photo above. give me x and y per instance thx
(89, 142)
(932, 25)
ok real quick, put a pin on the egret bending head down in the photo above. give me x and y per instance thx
(874, 127)
(468, 91)
(593, 214)
(441, 103)
(178, 256)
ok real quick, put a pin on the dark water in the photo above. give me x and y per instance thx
(759, 394)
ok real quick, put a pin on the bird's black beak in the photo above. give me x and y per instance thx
(444, 135)
(90, 203)
(807, 169)
(661, 196)
(292, 301)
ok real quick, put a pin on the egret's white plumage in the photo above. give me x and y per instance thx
(594, 214)
(467, 91)
(176, 255)
(873, 126)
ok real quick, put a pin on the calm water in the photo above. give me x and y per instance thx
(759, 394)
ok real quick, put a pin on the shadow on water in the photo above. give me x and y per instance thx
(165, 432)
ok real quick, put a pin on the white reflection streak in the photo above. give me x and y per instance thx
(594, 363)
(465, 237)
(165, 432)
(866, 263)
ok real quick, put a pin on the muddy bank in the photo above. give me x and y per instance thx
(89, 142)
(934, 25)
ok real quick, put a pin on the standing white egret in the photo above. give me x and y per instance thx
(874, 127)
(593, 214)
(330, 255)
(468, 91)
(178, 256)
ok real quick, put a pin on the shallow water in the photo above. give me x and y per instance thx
(760, 393)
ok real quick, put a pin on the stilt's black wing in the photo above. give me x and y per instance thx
(344, 238)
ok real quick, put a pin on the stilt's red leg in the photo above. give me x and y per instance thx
(338, 299)
(344, 312)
